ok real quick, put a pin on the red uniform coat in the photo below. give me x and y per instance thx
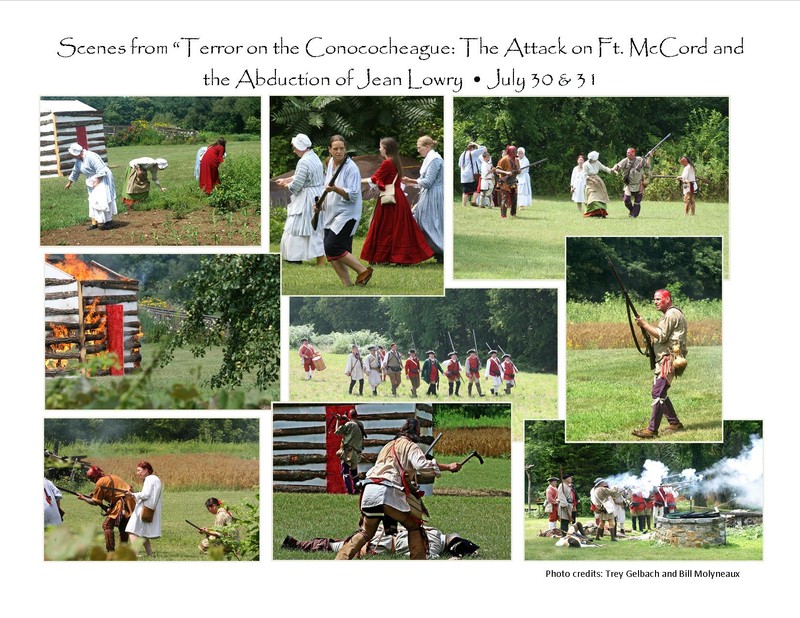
(394, 236)
(412, 367)
(473, 367)
(509, 370)
(453, 371)
(307, 352)
(209, 167)
(493, 366)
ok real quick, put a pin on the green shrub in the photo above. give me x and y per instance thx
(298, 332)
(153, 330)
(240, 184)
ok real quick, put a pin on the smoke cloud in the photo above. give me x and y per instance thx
(740, 478)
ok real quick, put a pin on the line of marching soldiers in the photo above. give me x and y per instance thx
(380, 364)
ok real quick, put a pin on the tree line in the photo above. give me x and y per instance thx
(523, 322)
(224, 115)
(688, 267)
(560, 128)
(111, 430)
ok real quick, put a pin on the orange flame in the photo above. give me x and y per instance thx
(58, 330)
(79, 269)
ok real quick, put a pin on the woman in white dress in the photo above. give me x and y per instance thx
(577, 184)
(99, 181)
(524, 193)
(300, 241)
(145, 522)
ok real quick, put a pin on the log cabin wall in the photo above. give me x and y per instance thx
(63, 123)
(76, 313)
(301, 456)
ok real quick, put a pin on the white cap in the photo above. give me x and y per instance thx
(301, 141)
(75, 149)
(162, 164)
(594, 155)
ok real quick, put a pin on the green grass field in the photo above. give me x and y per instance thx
(60, 208)
(187, 369)
(425, 279)
(532, 245)
(483, 520)
(608, 396)
(178, 540)
(534, 397)
(743, 544)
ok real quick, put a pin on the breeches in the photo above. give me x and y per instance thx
(417, 539)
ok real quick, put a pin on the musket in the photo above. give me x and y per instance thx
(452, 347)
(474, 341)
(648, 343)
(102, 506)
(199, 529)
(654, 148)
(524, 167)
(430, 448)
(321, 199)
(414, 343)
(502, 351)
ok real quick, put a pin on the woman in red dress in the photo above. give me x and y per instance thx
(209, 165)
(394, 236)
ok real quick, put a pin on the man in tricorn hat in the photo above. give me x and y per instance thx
(551, 502)
(109, 489)
(509, 373)
(603, 499)
(473, 369)
(669, 345)
(431, 370)
(413, 369)
(373, 364)
(392, 365)
(452, 369)
(494, 371)
(567, 501)
(307, 353)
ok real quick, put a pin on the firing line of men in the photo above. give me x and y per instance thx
(608, 505)
(380, 364)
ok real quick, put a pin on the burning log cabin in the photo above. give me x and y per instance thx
(89, 310)
(304, 445)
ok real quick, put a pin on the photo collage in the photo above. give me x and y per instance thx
(352, 309)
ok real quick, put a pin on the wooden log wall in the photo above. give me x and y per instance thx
(67, 305)
(58, 129)
(299, 439)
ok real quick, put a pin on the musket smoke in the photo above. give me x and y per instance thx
(742, 476)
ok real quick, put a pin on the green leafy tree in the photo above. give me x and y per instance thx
(242, 293)
(361, 120)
